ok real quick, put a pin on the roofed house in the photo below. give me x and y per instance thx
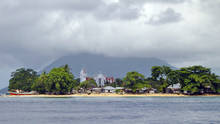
(175, 88)
(97, 90)
(109, 89)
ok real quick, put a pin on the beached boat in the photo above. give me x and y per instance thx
(21, 93)
(25, 93)
(15, 93)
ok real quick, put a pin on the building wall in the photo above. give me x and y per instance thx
(100, 80)
(83, 75)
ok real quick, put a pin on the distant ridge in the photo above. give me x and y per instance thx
(4, 90)
(110, 66)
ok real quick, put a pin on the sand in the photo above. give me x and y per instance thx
(107, 95)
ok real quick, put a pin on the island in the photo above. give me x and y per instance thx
(164, 81)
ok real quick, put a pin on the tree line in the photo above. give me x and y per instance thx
(194, 80)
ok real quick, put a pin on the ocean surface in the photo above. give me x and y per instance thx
(110, 110)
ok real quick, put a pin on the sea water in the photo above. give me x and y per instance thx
(110, 110)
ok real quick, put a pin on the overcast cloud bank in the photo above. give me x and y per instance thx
(181, 32)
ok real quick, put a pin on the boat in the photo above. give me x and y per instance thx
(24, 93)
(19, 92)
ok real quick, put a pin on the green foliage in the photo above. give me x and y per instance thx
(135, 81)
(118, 91)
(163, 76)
(194, 79)
(117, 83)
(40, 84)
(217, 85)
(57, 81)
(160, 72)
(88, 84)
(22, 79)
(156, 72)
(60, 80)
(198, 79)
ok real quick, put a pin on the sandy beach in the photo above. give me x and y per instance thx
(107, 95)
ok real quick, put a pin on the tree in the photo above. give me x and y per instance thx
(22, 79)
(198, 79)
(217, 84)
(66, 68)
(88, 84)
(156, 71)
(40, 84)
(119, 82)
(173, 77)
(77, 83)
(60, 80)
(135, 81)
(160, 75)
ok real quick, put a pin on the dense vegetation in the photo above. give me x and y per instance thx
(57, 81)
(88, 84)
(135, 81)
(193, 80)
(22, 79)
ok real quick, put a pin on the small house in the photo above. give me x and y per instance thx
(175, 88)
(96, 90)
(109, 89)
(152, 91)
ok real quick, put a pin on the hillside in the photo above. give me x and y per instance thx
(110, 66)
(4, 90)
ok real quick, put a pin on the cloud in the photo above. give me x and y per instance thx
(168, 16)
(152, 1)
(167, 1)
(34, 33)
(118, 11)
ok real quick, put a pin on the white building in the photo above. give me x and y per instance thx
(175, 86)
(109, 89)
(100, 80)
(83, 75)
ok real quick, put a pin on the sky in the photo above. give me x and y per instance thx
(33, 33)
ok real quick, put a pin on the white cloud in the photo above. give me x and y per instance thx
(183, 33)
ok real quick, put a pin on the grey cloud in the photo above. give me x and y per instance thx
(33, 33)
(116, 11)
(130, 10)
(152, 1)
(79, 5)
(168, 16)
(211, 7)
(167, 1)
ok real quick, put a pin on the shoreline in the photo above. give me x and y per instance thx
(108, 95)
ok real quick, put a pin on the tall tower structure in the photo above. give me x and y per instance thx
(83, 75)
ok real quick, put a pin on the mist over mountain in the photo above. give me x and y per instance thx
(110, 66)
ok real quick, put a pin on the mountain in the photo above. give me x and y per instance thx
(4, 90)
(110, 66)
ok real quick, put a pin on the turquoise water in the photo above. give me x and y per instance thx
(132, 110)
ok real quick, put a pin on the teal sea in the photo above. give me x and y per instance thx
(110, 110)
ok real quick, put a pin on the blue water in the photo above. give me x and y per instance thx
(133, 110)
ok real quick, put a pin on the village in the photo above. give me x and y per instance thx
(104, 85)
(194, 80)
